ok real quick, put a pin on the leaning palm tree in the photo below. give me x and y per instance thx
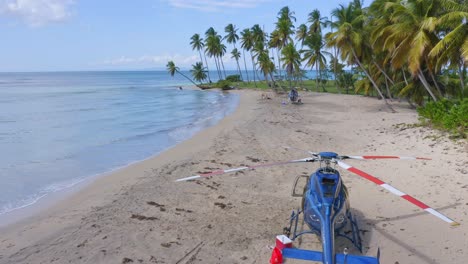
(172, 69)
(452, 49)
(411, 36)
(197, 44)
(198, 72)
(348, 37)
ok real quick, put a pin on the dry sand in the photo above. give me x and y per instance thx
(140, 215)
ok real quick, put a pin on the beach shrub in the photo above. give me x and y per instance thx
(447, 115)
(223, 84)
(233, 78)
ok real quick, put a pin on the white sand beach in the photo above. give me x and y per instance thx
(139, 214)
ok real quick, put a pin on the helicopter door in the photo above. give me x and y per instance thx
(294, 189)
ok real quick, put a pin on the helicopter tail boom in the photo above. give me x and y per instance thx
(310, 255)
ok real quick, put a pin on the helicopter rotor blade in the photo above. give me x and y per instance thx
(219, 172)
(383, 157)
(397, 192)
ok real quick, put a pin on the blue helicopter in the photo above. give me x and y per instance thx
(325, 209)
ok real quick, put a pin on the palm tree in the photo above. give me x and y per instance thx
(275, 42)
(198, 72)
(284, 28)
(221, 52)
(315, 55)
(266, 66)
(411, 36)
(172, 69)
(291, 61)
(211, 50)
(232, 37)
(316, 21)
(236, 55)
(348, 38)
(286, 14)
(247, 43)
(197, 44)
(452, 49)
(259, 38)
(301, 33)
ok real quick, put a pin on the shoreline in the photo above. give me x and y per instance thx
(140, 213)
(51, 198)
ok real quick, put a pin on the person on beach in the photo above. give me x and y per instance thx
(294, 96)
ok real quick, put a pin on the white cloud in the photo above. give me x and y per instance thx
(37, 12)
(159, 60)
(215, 5)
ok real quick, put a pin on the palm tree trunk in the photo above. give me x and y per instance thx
(201, 58)
(222, 63)
(335, 50)
(316, 78)
(237, 60)
(253, 67)
(383, 72)
(207, 69)
(389, 94)
(279, 62)
(188, 78)
(217, 68)
(245, 66)
(321, 81)
(426, 84)
(435, 83)
(239, 69)
(404, 76)
(266, 79)
(461, 73)
(376, 87)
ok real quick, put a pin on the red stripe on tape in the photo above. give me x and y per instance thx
(212, 173)
(415, 201)
(367, 176)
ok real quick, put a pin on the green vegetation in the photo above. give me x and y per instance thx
(447, 115)
(415, 50)
(233, 78)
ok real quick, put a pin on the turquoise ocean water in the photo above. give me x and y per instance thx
(58, 129)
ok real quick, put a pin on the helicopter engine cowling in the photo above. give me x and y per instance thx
(325, 188)
(326, 207)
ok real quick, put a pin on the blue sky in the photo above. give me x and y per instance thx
(67, 35)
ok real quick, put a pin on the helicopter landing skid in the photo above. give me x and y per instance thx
(356, 236)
